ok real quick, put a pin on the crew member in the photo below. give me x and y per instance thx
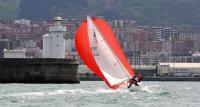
(135, 80)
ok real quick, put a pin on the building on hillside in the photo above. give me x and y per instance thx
(4, 44)
(187, 40)
(161, 33)
(23, 22)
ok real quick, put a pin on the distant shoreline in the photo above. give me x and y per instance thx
(96, 78)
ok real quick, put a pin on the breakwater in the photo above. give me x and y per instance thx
(38, 70)
(171, 79)
(96, 78)
(148, 72)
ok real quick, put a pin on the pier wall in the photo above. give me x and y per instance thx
(148, 72)
(184, 79)
(38, 70)
(145, 70)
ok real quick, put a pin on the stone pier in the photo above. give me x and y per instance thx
(38, 70)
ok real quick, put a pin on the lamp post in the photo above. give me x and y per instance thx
(139, 62)
(139, 56)
(190, 54)
(140, 52)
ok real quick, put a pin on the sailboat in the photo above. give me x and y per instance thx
(99, 49)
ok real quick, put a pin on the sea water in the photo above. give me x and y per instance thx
(97, 94)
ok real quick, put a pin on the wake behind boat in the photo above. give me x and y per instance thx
(99, 49)
(139, 88)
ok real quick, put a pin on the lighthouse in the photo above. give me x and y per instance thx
(54, 42)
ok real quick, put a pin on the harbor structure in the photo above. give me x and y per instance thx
(147, 71)
(52, 68)
(14, 53)
(179, 69)
(38, 70)
(54, 42)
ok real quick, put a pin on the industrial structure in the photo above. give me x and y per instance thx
(14, 53)
(179, 69)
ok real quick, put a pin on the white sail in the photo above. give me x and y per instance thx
(107, 61)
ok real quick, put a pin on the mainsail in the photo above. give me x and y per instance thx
(105, 57)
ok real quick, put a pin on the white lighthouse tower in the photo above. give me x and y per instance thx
(54, 42)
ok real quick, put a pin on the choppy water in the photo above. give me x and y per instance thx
(96, 94)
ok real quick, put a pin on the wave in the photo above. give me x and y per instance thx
(63, 92)
(143, 88)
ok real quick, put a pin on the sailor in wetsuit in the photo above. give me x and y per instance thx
(135, 80)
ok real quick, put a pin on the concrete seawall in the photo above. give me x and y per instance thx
(171, 79)
(96, 78)
(145, 70)
(38, 70)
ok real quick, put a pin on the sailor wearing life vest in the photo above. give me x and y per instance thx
(135, 80)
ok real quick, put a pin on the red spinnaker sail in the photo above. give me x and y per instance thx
(84, 51)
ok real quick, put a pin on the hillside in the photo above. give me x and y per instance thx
(9, 9)
(182, 13)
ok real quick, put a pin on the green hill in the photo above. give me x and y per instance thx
(9, 9)
(181, 13)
